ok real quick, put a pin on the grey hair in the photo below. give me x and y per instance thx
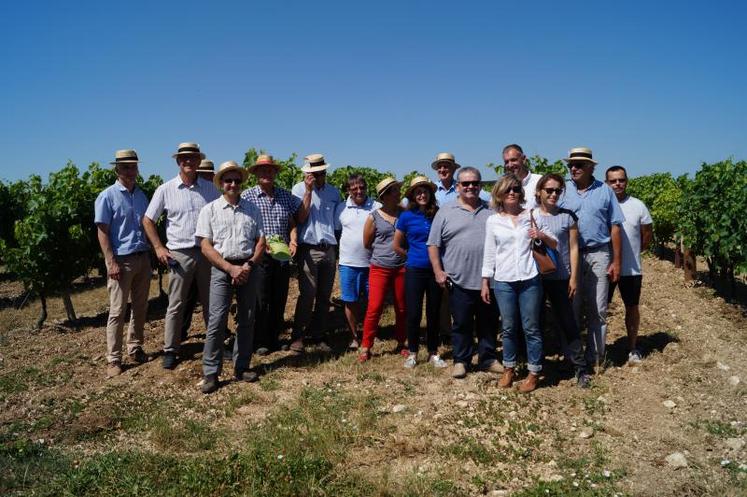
(468, 169)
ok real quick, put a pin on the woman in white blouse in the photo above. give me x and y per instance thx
(507, 258)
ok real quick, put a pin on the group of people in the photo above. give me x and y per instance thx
(446, 242)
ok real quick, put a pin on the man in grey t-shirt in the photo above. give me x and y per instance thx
(455, 247)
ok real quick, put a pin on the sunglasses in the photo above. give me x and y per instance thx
(617, 180)
(232, 181)
(515, 189)
(469, 183)
(577, 165)
(550, 191)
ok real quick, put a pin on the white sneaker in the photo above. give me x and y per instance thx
(634, 357)
(436, 361)
(411, 361)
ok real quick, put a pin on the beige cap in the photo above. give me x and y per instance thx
(188, 148)
(314, 163)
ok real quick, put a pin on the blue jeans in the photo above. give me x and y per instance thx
(470, 314)
(526, 298)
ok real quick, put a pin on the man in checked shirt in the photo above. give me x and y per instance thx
(280, 212)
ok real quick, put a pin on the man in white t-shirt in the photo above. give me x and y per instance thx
(515, 162)
(636, 237)
(354, 261)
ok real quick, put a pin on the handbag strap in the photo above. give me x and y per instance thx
(531, 219)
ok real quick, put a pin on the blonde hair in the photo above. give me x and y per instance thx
(501, 188)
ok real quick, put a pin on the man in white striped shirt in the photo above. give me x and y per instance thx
(232, 238)
(181, 198)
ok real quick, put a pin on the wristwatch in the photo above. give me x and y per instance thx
(250, 262)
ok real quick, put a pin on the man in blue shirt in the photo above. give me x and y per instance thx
(119, 212)
(316, 252)
(600, 243)
(445, 166)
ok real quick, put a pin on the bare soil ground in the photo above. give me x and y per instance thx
(389, 430)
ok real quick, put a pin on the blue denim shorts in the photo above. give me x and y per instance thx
(353, 283)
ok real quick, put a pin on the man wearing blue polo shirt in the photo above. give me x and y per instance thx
(600, 243)
(119, 212)
(446, 185)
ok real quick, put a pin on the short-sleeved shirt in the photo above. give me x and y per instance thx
(351, 218)
(382, 253)
(507, 253)
(529, 184)
(182, 204)
(276, 210)
(233, 229)
(416, 226)
(123, 212)
(459, 233)
(320, 225)
(559, 226)
(636, 215)
(597, 210)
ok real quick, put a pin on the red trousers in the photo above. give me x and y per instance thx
(380, 280)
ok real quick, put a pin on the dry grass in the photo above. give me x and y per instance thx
(377, 429)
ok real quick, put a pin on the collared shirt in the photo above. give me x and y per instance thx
(351, 218)
(233, 229)
(459, 233)
(320, 226)
(123, 212)
(636, 215)
(276, 210)
(597, 210)
(446, 196)
(182, 204)
(529, 184)
(507, 253)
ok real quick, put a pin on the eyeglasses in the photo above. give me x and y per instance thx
(577, 165)
(515, 189)
(231, 181)
(617, 180)
(550, 191)
(469, 183)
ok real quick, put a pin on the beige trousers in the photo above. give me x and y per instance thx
(133, 284)
(192, 265)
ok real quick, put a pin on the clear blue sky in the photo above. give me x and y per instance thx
(655, 86)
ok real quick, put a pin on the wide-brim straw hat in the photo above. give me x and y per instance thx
(444, 157)
(314, 163)
(420, 181)
(264, 160)
(226, 167)
(187, 148)
(206, 166)
(580, 154)
(126, 156)
(385, 184)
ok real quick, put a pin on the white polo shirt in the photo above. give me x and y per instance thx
(351, 218)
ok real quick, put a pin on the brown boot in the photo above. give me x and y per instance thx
(529, 384)
(507, 378)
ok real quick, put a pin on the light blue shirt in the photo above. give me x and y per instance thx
(123, 212)
(597, 210)
(447, 195)
(320, 225)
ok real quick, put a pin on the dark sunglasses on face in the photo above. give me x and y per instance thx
(514, 189)
(232, 181)
(469, 183)
(577, 165)
(550, 191)
(617, 180)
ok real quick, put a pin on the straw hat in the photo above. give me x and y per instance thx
(444, 157)
(227, 167)
(420, 181)
(314, 163)
(188, 149)
(386, 183)
(206, 166)
(126, 156)
(264, 160)
(580, 154)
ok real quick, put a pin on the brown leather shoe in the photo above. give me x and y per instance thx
(529, 384)
(113, 369)
(507, 378)
(297, 347)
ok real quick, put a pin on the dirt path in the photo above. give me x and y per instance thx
(687, 397)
